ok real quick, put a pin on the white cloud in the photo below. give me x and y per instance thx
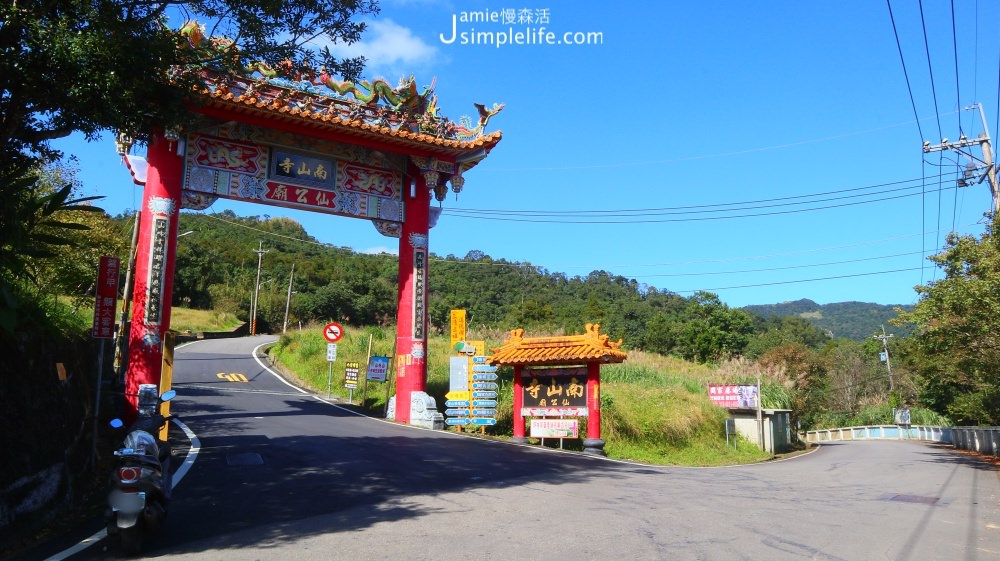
(380, 250)
(389, 48)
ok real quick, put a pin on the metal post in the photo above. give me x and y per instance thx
(288, 299)
(256, 289)
(121, 336)
(97, 394)
(329, 381)
(885, 349)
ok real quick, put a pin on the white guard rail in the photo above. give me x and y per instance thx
(882, 432)
(985, 440)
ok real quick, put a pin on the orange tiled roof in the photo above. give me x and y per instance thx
(569, 349)
(319, 114)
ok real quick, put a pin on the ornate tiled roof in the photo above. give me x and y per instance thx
(569, 349)
(399, 116)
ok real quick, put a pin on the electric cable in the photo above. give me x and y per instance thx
(488, 215)
(906, 75)
(954, 43)
(642, 211)
(930, 68)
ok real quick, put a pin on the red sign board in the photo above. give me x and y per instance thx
(106, 298)
(333, 331)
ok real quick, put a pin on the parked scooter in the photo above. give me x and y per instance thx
(142, 481)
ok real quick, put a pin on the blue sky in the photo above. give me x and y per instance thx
(765, 151)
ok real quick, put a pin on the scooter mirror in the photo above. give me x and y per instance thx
(117, 423)
(168, 395)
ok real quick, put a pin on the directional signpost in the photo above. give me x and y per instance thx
(472, 399)
(458, 407)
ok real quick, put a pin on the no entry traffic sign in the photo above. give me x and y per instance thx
(333, 331)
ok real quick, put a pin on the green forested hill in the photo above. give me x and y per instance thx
(850, 320)
(217, 266)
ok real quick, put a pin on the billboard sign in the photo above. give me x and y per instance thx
(734, 396)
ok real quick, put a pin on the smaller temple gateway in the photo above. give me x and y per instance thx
(559, 377)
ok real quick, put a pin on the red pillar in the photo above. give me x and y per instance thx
(593, 442)
(518, 405)
(154, 267)
(411, 318)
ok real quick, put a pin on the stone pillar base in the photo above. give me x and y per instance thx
(594, 446)
(423, 411)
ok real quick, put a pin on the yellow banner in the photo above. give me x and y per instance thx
(457, 326)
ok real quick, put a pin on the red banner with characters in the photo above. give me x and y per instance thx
(107, 297)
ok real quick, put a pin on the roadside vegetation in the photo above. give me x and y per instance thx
(52, 234)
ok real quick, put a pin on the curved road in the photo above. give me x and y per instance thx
(283, 475)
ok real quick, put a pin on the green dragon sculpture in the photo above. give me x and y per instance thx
(417, 110)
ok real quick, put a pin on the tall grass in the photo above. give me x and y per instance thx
(879, 414)
(654, 409)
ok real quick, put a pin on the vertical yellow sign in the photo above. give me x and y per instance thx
(457, 326)
(167, 377)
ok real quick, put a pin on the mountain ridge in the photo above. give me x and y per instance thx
(850, 320)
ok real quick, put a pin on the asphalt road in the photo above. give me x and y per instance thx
(283, 475)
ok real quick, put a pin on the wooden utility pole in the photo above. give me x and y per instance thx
(987, 167)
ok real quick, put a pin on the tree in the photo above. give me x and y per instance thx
(958, 329)
(33, 228)
(97, 65)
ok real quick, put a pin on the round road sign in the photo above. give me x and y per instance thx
(333, 331)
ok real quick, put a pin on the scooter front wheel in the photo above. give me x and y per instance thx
(131, 539)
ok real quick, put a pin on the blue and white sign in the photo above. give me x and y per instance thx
(484, 403)
(484, 395)
(484, 376)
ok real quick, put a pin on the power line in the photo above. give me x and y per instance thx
(785, 268)
(954, 42)
(930, 68)
(702, 156)
(837, 277)
(485, 215)
(525, 265)
(906, 75)
(718, 206)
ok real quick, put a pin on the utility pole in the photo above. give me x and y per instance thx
(885, 351)
(288, 299)
(256, 289)
(987, 167)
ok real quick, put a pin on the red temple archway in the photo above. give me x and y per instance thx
(362, 150)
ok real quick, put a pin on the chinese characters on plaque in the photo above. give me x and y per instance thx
(554, 392)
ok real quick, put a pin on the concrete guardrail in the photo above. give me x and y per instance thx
(882, 432)
(985, 440)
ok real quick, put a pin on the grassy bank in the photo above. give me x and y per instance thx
(654, 409)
